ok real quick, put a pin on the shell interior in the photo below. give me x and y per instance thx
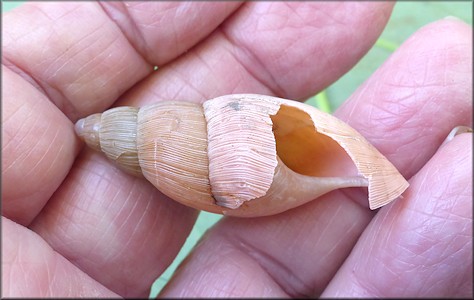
(306, 151)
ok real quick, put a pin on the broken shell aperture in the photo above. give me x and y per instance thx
(242, 155)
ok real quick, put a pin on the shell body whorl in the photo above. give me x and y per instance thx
(242, 155)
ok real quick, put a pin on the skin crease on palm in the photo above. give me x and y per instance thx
(74, 225)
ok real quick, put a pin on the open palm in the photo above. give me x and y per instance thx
(74, 225)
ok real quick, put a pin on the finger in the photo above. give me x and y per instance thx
(290, 50)
(422, 245)
(72, 52)
(302, 249)
(38, 148)
(27, 261)
(161, 31)
(147, 264)
(118, 229)
(416, 83)
(81, 59)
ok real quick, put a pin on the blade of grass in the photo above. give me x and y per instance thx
(322, 101)
(386, 44)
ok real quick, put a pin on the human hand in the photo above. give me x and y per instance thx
(74, 225)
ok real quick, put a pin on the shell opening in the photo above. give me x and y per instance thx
(305, 150)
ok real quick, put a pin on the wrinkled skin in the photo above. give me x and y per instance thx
(74, 225)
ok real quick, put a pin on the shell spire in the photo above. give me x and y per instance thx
(114, 133)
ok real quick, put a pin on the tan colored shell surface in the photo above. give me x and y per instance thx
(245, 155)
(172, 147)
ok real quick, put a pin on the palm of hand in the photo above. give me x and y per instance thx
(80, 227)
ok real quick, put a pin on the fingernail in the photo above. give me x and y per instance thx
(456, 131)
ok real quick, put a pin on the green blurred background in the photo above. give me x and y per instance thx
(407, 17)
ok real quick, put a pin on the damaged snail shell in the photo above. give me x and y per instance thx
(242, 155)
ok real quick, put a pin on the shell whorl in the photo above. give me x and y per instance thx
(172, 147)
(243, 155)
(114, 132)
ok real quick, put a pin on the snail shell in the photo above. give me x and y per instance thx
(243, 155)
